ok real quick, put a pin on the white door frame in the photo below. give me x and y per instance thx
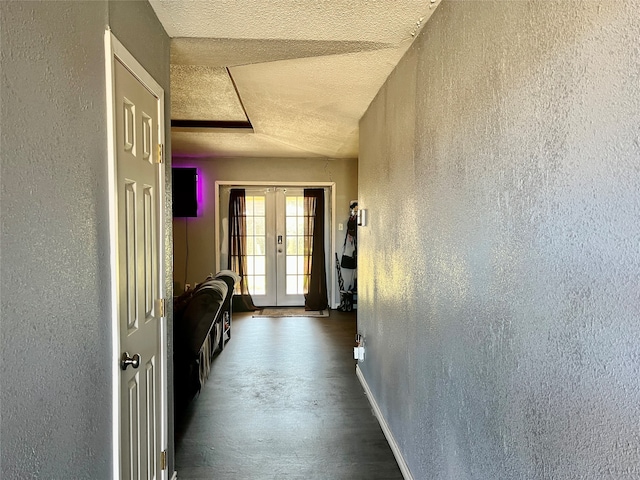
(332, 222)
(115, 50)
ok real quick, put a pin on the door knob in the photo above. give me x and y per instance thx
(126, 360)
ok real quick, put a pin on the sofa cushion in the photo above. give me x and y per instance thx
(200, 313)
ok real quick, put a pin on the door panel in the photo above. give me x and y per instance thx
(290, 252)
(260, 266)
(133, 429)
(137, 181)
(151, 404)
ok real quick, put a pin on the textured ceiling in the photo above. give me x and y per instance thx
(191, 97)
(305, 70)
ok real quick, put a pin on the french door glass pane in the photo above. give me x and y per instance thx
(260, 228)
(292, 284)
(260, 268)
(256, 233)
(260, 248)
(292, 264)
(294, 225)
(292, 245)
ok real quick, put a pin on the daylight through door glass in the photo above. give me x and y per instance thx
(256, 244)
(294, 212)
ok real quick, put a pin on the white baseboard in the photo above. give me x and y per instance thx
(406, 473)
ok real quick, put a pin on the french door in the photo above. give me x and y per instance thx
(275, 245)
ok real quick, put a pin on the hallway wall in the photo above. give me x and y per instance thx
(200, 231)
(55, 341)
(498, 279)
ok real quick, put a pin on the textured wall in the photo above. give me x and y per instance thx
(201, 230)
(498, 283)
(56, 376)
(56, 330)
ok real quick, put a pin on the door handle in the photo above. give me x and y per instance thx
(126, 360)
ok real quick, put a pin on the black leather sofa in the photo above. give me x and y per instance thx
(201, 328)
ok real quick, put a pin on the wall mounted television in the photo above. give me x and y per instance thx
(185, 192)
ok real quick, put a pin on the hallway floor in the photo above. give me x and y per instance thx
(283, 402)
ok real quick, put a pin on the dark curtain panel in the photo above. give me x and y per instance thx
(314, 268)
(238, 249)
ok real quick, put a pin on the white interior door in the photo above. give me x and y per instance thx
(138, 237)
(275, 245)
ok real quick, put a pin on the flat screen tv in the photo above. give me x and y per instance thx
(185, 192)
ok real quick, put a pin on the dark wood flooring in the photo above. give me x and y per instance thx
(283, 402)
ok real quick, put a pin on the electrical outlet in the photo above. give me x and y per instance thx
(360, 354)
(358, 350)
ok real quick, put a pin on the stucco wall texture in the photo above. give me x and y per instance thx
(498, 273)
(55, 345)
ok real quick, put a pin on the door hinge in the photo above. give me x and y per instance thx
(163, 460)
(160, 307)
(160, 156)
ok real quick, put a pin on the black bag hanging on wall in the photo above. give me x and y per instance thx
(348, 262)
